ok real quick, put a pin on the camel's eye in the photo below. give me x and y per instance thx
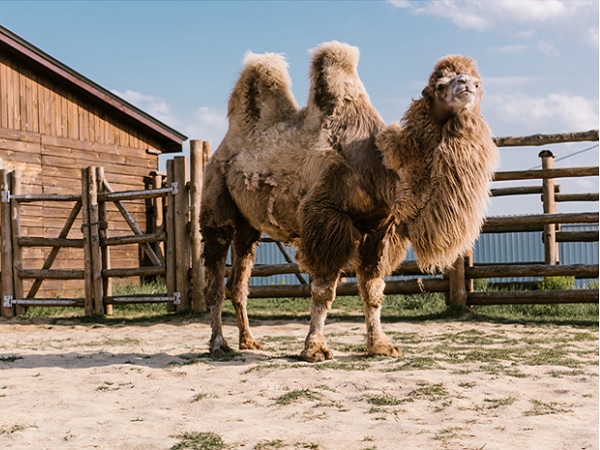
(440, 87)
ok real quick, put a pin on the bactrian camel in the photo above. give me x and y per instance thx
(348, 192)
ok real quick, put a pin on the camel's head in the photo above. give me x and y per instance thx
(454, 87)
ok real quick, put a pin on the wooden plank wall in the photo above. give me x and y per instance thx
(48, 133)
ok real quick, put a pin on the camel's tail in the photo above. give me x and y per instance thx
(262, 94)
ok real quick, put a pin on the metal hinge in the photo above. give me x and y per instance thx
(177, 298)
(7, 301)
(5, 196)
(175, 188)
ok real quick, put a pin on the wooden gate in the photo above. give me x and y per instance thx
(168, 249)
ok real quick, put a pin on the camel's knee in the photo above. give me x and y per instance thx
(371, 291)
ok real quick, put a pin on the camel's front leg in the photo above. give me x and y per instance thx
(371, 291)
(323, 294)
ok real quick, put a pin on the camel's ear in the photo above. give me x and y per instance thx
(426, 92)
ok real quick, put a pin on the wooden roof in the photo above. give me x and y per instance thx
(31, 56)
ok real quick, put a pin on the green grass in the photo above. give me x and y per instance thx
(200, 441)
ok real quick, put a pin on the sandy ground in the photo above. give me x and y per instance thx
(459, 385)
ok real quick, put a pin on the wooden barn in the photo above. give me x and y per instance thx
(54, 122)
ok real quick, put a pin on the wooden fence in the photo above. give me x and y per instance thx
(173, 248)
(168, 248)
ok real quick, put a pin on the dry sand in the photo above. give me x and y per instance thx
(460, 385)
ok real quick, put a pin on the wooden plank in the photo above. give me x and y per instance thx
(16, 232)
(533, 297)
(95, 243)
(544, 139)
(566, 172)
(182, 243)
(107, 284)
(170, 278)
(531, 270)
(540, 219)
(198, 303)
(6, 280)
(87, 264)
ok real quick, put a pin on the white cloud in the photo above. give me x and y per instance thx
(208, 124)
(552, 113)
(580, 17)
(156, 107)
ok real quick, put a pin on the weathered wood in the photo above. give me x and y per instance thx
(519, 190)
(15, 218)
(549, 236)
(6, 240)
(29, 198)
(136, 239)
(512, 229)
(196, 176)
(457, 293)
(134, 195)
(50, 302)
(544, 139)
(50, 242)
(87, 250)
(566, 172)
(52, 274)
(170, 243)
(126, 300)
(539, 219)
(533, 297)
(531, 270)
(585, 197)
(576, 236)
(54, 252)
(182, 243)
(95, 242)
(148, 271)
(103, 235)
(134, 226)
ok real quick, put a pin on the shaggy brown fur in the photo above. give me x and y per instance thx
(444, 150)
(314, 178)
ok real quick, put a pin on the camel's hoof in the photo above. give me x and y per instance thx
(219, 347)
(316, 354)
(384, 349)
(250, 344)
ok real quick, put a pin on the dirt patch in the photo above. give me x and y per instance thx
(459, 385)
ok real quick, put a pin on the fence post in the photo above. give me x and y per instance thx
(103, 234)
(15, 218)
(457, 295)
(6, 285)
(551, 256)
(158, 220)
(87, 252)
(95, 242)
(170, 244)
(196, 174)
(182, 241)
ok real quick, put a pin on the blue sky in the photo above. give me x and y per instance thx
(178, 60)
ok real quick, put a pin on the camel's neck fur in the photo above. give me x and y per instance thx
(447, 168)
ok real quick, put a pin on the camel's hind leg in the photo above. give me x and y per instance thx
(244, 249)
(216, 245)
(323, 295)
